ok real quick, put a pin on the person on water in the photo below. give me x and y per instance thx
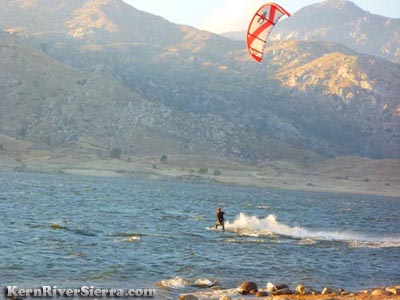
(220, 218)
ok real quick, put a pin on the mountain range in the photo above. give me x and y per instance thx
(105, 72)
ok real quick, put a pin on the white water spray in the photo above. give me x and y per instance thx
(253, 226)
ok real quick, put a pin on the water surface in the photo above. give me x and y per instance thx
(127, 233)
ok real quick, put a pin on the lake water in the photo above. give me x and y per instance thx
(71, 231)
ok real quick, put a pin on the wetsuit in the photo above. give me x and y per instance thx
(220, 220)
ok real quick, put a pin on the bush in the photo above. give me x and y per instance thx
(203, 170)
(217, 173)
(116, 153)
(163, 158)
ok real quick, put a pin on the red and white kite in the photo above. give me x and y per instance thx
(261, 26)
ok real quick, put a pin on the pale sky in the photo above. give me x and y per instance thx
(231, 15)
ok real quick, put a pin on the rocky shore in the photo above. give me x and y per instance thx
(250, 290)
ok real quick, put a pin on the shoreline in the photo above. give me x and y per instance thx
(241, 181)
(347, 175)
(250, 291)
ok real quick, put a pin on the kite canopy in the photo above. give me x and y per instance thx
(261, 26)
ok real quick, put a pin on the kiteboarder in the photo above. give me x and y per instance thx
(220, 218)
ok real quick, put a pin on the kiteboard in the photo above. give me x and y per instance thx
(212, 228)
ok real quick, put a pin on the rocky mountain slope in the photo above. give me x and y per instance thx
(343, 22)
(137, 82)
(53, 106)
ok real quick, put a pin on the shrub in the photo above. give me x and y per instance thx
(203, 170)
(116, 153)
(217, 173)
(163, 158)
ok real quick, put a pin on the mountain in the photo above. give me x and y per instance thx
(340, 21)
(55, 106)
(139, 83)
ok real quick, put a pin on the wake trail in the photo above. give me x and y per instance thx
(270, 226)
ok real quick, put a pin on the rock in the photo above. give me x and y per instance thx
(281, 286)
(271, 287)
(284, 291)
(205, 283)
(216, 287)
(379, 292)
(262, 294)
(225, 297)
(393, 290)
(300, 290)
(248, 287)
(188, 297)
(343, 292)
(327, 291)
(275, 287)
(57, 226)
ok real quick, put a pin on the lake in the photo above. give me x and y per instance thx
(69, 231)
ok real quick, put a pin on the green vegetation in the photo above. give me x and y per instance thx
(163, 158)
(217, 172)
(116, 153)
(203, 171)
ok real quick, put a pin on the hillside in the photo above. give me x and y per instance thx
(56, 106)
(197, 92)
(341, 21)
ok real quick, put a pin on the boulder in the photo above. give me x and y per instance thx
(281, 286)
(262, 294)
(283, 291)
(327, 291)
(380, 292)
(275, 287)
(393, 290)
(343, 292)
(188, 297)
(248, 287)
(205, 283)
(300, 290)
(270, 287)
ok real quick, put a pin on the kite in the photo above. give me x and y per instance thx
(261, 25)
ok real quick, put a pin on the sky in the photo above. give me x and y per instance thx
(232, 15)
